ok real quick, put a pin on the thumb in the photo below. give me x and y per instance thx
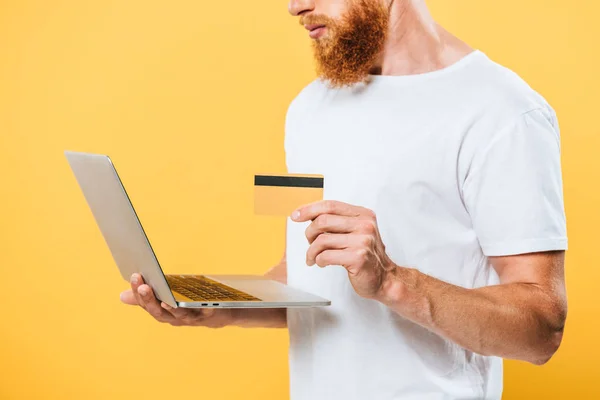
(128, 297)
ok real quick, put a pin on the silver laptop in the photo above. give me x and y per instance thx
(131, 250)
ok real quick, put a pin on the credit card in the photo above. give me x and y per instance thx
(282, 194)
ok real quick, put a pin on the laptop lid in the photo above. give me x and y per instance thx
(117, 220)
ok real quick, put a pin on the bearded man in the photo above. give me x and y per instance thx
(441, 238)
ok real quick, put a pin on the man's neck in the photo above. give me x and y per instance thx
(416, 43)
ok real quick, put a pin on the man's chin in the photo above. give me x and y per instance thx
(337, 72)
(347, 49)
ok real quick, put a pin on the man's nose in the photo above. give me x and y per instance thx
(299, 7)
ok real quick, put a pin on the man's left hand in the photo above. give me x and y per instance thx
(347, 235)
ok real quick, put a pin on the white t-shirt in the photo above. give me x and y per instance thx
(458, 164)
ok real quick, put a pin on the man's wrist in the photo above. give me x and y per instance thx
(262, 317)
(397, 286)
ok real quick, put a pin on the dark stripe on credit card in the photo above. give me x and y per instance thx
(288, 181)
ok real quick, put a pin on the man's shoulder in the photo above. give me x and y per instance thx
(499, 88)
(502, 104)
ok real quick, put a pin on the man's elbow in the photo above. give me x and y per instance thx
(550, 337)
(548, 349)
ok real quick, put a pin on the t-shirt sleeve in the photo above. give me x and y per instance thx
(513, 191)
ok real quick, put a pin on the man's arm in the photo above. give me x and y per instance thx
(522, 318)
(142, 295)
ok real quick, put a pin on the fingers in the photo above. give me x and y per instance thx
(142, 294)
(344, 258)
(136, 281)
(152, 305)
(327, 241)
(331, 224)
(183, 315)
(189, 316)
(313, 210)
(128, 298)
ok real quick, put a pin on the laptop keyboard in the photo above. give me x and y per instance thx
(200, 288)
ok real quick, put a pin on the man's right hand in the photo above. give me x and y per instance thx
(142, 295)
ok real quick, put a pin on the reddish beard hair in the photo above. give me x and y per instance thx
(348, 51)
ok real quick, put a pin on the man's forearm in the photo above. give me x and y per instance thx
(516, 321)
(259, 318)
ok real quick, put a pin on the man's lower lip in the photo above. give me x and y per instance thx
(317, 33)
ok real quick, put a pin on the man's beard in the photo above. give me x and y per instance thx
(351, 46)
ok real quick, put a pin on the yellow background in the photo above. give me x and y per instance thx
(189, 99)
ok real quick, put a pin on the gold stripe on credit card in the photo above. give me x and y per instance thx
(282, 194)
